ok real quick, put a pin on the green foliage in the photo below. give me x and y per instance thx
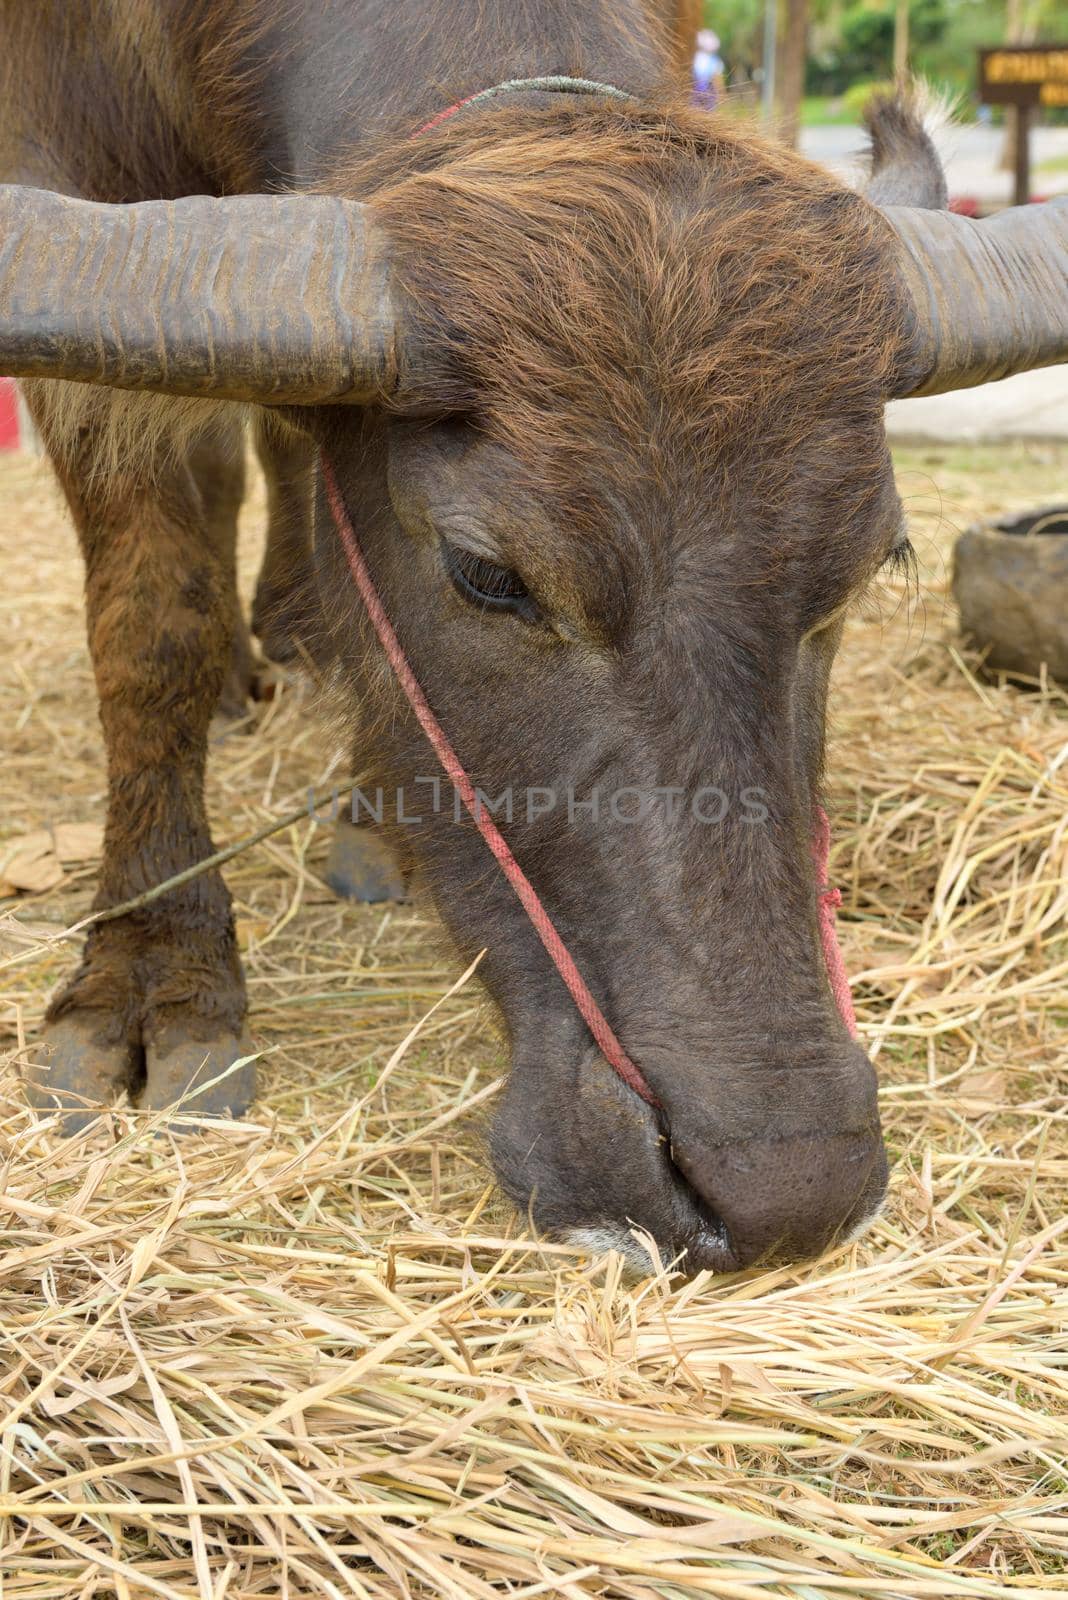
(856, 97)
(861, 47)
(851, 41)
(740, 25)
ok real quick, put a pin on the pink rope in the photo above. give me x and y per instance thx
(591, 1012)
(559, 954)
(442, 116)
(549, 83)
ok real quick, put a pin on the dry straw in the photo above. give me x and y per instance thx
(310, 1354)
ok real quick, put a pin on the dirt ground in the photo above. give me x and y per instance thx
(312, 1354)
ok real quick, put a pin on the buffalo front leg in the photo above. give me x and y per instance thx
(157, 1004)
(217, 462)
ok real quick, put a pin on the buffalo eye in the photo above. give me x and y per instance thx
(483, 583)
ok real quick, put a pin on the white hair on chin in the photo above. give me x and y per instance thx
(859, 1229)
(598, 1241)
(627, 1242)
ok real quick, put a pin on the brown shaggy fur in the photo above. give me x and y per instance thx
(165, 99)
(661, 349)
(683, 287)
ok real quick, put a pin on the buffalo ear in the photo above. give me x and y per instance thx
(988, 298)
(280, 299)
(905, 166)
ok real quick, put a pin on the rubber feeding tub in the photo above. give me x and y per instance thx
(1010, 580)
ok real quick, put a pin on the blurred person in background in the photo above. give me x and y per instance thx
(708, 72)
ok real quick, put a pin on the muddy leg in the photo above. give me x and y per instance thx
(158, 1003)
(217, 462)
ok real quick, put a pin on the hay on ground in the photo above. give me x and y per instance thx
(312, 1355)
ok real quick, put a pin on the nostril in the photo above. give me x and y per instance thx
(699, 1227)
(784, 1199)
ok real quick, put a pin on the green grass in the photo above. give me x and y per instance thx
(817, 110)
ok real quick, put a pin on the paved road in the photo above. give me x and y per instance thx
(1033, 405)
(970, 154)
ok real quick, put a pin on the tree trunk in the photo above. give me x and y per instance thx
(790, 67)
(687, 16)
(901, 42)
(1017, 31)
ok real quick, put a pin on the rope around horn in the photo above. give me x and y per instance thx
(554, 83)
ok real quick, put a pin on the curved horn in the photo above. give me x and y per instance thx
(989, 298)
(281, 299)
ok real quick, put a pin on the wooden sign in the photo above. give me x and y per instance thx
(1024, 75)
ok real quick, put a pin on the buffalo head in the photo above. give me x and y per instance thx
(603, 394)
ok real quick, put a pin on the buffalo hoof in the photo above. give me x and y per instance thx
(1010, 578)
(233, 706)
(211, 1076)
(361, 866)
(287, 622)
(242, 685)
(79, 1071)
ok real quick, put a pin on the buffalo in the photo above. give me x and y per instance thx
(598, 380)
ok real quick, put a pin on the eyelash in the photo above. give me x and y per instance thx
(483, 583)
(902, 559)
